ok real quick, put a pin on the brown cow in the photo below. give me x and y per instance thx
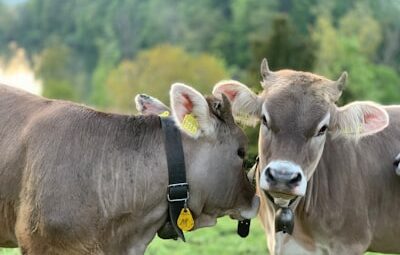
(334, 162)
(77, 181)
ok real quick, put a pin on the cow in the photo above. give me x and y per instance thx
(77, 181)
(331, 166)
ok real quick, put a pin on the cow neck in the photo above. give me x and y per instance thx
(178, 188)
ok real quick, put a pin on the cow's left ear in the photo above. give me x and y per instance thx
(148, 105)
(246, 105)
(359, 119)
(191, 111)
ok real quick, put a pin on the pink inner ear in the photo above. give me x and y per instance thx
(187, 103)
(228, 91)
(374, 121)
(149, 107)
(186, 106)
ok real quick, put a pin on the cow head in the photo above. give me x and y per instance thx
(214, 155)
(298, 114)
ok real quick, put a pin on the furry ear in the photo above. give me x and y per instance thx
(191, 111)
(246, 105)
(359, 119)
(147, 105)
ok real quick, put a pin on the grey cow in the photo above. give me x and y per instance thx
(78, 181)
(334, 162)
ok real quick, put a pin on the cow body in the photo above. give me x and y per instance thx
(77, 181)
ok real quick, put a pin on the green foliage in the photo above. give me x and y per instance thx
(153, 71)
(54, 67)
(351, 47)
(9, 252)
(221, 239)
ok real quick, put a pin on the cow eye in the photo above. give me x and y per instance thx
(322, 130)
(241, 153)
(264, 121)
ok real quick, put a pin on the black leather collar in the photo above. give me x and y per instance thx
(178, 188)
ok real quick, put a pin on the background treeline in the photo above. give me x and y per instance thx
(104, 52)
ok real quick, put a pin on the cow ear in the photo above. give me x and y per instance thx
(360, 119)
(191, 111)
(246, 105)
(147, 105)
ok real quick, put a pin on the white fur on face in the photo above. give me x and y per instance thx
(324, 122)
(266, 115)
(246, 105)
(186, 100)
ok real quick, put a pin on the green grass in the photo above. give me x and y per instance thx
(219, 240)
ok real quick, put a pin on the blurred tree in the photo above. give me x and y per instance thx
(54, 68)
(341, 50)
(249, 19)
(284, 48)
(7, 18)
(359, 23)
(387, 13)
(153, 71)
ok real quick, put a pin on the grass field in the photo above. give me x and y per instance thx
(219, 240)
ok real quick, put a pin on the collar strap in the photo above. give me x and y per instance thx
(178, 188)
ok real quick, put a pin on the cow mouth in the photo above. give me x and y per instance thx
(281, 195)
(280, 198)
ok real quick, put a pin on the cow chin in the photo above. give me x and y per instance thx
(252, 212)
(246, 213)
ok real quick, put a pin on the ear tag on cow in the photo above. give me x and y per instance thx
(164, 114)
(185, 220)
(190, 124)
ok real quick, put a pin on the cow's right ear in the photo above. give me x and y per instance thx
(246, 105)
(147, 105)
(191, 111)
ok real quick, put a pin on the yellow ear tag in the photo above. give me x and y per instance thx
(164, 114)
(185, 220)
(190, 124)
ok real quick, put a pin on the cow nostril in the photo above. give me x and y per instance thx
(270, 177)
(295, 179)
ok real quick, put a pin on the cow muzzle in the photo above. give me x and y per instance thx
(283, 180)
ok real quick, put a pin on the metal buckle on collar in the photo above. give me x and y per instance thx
(176, 185)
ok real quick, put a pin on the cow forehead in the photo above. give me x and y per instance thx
(297, 105)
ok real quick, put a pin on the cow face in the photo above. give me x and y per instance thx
(214, 152)
(298, 114)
